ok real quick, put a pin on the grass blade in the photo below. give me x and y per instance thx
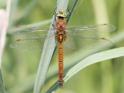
(46, 56)
(95, 58)
(4, 25)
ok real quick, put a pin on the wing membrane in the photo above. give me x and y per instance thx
(91, 31)
(90, 28)
(29, 38)
(84, 36)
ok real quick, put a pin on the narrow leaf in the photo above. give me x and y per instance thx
(95, 58)
(46, 56)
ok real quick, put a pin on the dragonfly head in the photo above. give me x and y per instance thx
(61, 14)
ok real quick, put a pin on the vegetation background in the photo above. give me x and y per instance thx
(20, 64)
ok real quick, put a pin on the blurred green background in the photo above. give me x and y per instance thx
(20, 64)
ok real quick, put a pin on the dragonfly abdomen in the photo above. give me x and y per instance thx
(60, 65)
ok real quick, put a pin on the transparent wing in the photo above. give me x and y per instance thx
(91, 28)
(29, 39)
(34, 33)
(93, 32)
(85, 36)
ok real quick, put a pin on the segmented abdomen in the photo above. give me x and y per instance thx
(60, 65)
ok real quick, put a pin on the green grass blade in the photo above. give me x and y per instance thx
(46, 56)
(4, 27)
(95, 58)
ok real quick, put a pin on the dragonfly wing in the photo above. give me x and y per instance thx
(85, 36)
(32, 38)
(91, 28)
(90, 32)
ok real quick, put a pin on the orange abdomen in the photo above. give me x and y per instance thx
(60, 64)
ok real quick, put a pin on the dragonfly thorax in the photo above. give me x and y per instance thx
(60, 29)
(61, 36)
(61, 25)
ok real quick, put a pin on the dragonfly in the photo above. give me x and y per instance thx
(61, 34)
